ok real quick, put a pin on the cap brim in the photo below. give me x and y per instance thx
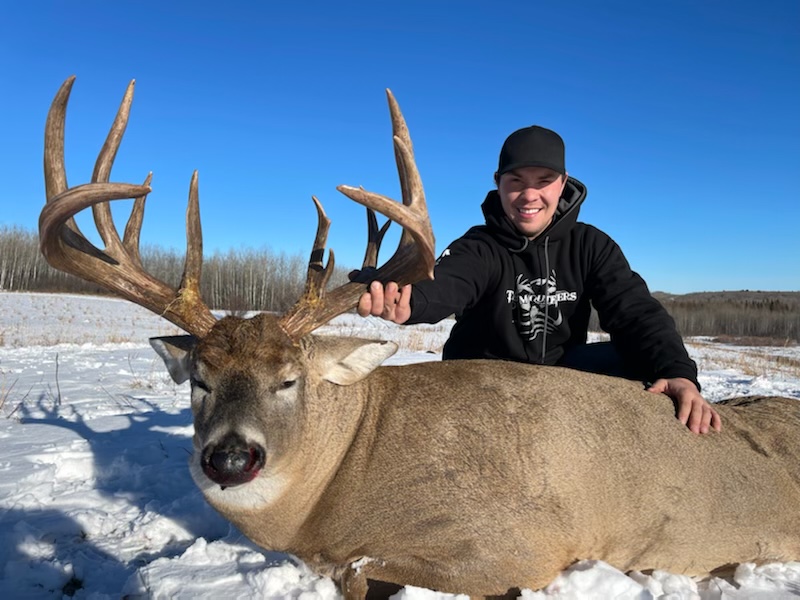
(521, 165)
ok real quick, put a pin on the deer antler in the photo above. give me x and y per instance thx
(412, 261)
(117, 268)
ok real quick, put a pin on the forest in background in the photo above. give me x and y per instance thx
(237, 280)
(240, 280)
(765, 317)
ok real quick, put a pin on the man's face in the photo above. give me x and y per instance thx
(529, 196)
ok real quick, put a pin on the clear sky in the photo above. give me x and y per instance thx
(681, 117)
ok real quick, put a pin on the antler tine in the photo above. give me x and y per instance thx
(412, 261)
(400, 131)
(374, 240)
(118, 268)
(189, 290)
(102, 171)
(130, 239)
(55, 172)
(317, 275)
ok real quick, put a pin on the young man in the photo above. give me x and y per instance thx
(522, 286)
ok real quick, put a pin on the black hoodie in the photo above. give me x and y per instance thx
(530, 300)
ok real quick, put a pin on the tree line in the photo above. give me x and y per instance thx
(771, 317)
(236, 280)
(241, 280)
(774, 315)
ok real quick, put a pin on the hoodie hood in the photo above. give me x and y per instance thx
(566, 216)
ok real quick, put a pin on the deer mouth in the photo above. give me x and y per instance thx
(232, 461)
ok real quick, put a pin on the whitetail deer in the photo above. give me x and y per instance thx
(467, 476)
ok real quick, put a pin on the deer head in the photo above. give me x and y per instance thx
(247, 376)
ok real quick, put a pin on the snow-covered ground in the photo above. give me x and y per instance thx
(96, 500)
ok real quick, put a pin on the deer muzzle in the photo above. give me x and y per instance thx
(232, 461)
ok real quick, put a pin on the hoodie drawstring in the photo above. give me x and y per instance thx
(546, 294)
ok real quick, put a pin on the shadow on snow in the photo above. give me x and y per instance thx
(141, 468)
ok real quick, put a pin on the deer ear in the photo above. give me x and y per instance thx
(350, 360)
(175, 351)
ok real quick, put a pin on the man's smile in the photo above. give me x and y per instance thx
(528, 212)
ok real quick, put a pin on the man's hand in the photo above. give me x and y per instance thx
(694, 411)
(389, 302)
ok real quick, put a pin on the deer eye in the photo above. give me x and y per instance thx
(288, 383)
(200, 385)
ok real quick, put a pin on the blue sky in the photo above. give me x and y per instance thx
(680, 117)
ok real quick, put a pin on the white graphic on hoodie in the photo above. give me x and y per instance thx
(535, 304)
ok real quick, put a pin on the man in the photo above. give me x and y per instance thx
(522, 286)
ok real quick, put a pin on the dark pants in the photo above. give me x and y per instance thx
(601, 358)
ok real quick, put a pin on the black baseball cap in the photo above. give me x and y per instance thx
(532, 146)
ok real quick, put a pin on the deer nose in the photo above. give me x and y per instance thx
(232, 461)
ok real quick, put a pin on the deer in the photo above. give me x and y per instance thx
(470, 476)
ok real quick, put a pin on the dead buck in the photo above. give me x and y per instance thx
(467, 476)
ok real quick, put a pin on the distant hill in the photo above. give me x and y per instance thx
(731, 296)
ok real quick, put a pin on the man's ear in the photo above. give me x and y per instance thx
(496, 179)
(176, 352)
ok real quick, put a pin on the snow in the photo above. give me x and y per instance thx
(96, 500)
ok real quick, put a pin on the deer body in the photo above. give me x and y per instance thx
(469, 476)
(481, 476)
